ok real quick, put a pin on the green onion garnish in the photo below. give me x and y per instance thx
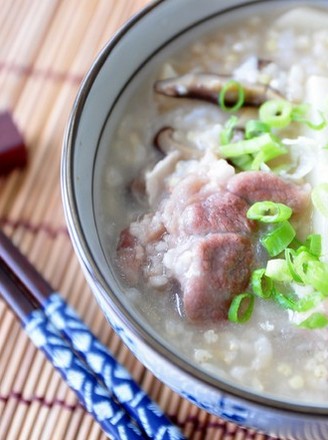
(315, 273)
(287, 302)
(261, 284)
(290, 254)
(313, 244)
(306, 268)
(309, 301)
(241, 308)
(248, 146)
(231, 87)
(315, 321)
(320, 198)
(269, 212)
(276, 113)
(227, 133)
(291, 302)
(298, 115)
(277, 270)
(255, 128)
(243, 162)
(300, 263)
(278, 239)
(320, 125)
(299, 111)
(268, 152)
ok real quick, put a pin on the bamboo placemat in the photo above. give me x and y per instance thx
(46, 47)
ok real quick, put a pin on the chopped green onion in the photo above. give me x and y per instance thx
(315, 321)
(287, 302)
(290, 255)
(269, 212)
(231, 88)
(268, 152)
(302, 248)
(277, 270)
(315, 274)
(248, 146)
(301, 262)
(227, 132)
(276, 113)
(243, 162)
(313, 244)
(320, 198)
(255, 128)
(261, 284)
(297, 244)
(278, 239)
(241, 308)
(320, 125)
(309, 270)
(291, 302)
(301, 110)
(309, 301)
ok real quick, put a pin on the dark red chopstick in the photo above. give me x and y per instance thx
(15, 297)
(17, 264)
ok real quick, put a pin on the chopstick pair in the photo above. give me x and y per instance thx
(104, 387)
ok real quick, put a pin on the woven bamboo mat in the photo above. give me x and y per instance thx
(46, 46)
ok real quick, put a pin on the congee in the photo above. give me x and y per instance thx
(215, 202)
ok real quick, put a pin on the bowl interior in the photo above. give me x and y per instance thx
(120, 70)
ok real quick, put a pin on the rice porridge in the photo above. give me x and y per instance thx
(215, 203)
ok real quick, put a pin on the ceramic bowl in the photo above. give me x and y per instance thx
(97, 110)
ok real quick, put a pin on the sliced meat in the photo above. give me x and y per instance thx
(200, 238)
(220, 212)
(184, 194)
(221, 267)
(256, 186)
(130, 257)
(140, 248)
(149, 229)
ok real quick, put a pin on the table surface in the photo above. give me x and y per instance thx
(46, 47)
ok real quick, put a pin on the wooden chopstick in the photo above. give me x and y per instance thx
(37, 293)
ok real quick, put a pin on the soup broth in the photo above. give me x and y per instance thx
(175, 206)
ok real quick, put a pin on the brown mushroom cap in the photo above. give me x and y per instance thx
(165, 142)
(207, 86)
